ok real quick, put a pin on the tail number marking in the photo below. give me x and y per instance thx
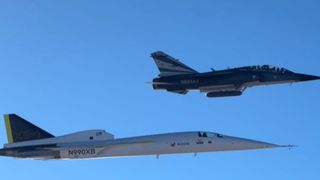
(82, 152)
(190, 81)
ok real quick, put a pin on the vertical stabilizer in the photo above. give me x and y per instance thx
(18, 129)
(169, 66)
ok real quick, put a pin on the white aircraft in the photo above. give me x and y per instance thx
(26, 140)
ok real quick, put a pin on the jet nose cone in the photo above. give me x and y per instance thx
(240, 143)
(306, 77)
(259, 145)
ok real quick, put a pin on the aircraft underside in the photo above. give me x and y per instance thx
(227, 89)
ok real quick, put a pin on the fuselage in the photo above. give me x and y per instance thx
(171, 143)
(229, 80)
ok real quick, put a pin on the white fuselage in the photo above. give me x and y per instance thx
(99, 144)
(172, 143)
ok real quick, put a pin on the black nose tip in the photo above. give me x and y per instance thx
(306, 77)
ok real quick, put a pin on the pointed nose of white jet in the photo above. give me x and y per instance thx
(243, 144)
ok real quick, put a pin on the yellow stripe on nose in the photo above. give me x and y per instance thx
(8, 128)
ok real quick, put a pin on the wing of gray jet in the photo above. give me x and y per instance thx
(26, 140)
(178, 78)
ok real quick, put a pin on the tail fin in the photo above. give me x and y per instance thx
(169, 66)
(19, 129)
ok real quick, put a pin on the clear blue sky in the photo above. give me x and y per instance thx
(76, 65)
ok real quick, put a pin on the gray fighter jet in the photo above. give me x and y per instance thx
(178, 78)
(26, 140)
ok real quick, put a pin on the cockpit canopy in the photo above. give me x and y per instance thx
(209, 135)
(267, 68)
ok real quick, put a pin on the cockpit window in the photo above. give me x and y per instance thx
(202, 134)
(206, 134)
(266, 68)
(98, 133)
(219, 135)
(210, 135)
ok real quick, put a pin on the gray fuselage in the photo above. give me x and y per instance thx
(230, 81)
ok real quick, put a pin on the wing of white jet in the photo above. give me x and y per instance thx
(25, 140)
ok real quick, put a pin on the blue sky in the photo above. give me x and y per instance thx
(75, 65)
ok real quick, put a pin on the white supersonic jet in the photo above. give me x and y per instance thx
(26, 140)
